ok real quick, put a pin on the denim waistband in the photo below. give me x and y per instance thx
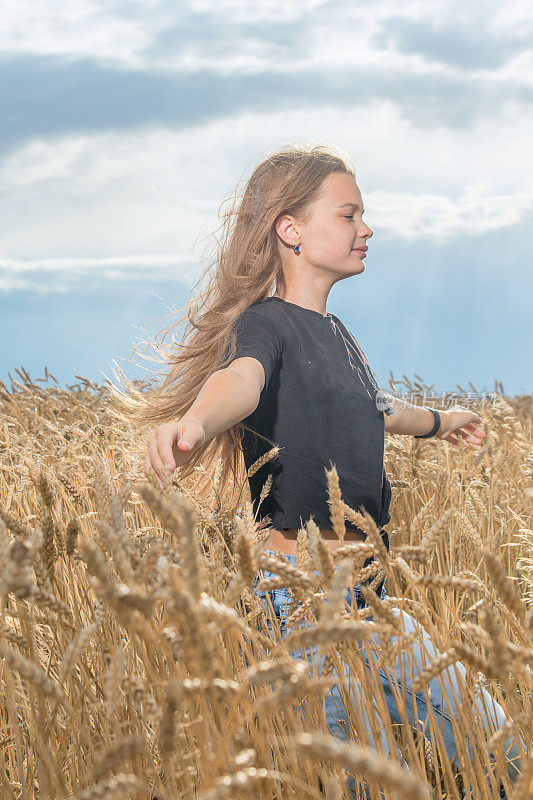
(290, 556)
(379, 589)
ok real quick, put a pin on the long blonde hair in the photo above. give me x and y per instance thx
(247, 267)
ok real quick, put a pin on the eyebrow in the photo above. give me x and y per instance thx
(353, 205)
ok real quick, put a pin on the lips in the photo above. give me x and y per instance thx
(361, 251)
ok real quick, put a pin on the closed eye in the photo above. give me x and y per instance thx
(349, 216)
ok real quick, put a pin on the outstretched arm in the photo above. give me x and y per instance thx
(456, 424)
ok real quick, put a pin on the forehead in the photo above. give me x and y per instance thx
(340, 188)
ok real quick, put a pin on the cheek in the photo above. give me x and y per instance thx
(328, 240)
(323, 239)
(339, 234)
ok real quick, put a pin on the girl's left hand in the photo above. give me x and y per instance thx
(460, 425)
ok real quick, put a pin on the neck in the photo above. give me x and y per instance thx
(305, 299)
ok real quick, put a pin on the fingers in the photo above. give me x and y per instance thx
(147, 465)
(469, 434)
(167, 456)
(184, 442)
(453, 438)
(162, 451)
(463, 437)
(154, 460)
(470, 438)
(474, 428)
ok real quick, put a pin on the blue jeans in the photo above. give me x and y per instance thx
(405, 671)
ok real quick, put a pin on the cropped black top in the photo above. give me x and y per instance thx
(322, 405)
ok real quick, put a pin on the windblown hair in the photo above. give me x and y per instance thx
(247, 267)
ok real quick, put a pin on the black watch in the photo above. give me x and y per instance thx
(436, 424)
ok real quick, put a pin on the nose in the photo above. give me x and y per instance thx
(365, 231)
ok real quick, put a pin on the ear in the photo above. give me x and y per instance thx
(287, 229)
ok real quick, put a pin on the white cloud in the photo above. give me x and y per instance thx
(143, 197)
(233, 36)
(424, 216)
(62, 275)
(121, 204)
(87, 265)
(8, 283)
(78, 29)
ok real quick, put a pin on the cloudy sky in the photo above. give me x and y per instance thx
(127, 124)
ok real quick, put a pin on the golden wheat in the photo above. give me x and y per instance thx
(135, 655)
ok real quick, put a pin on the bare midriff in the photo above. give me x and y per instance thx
(285, 541)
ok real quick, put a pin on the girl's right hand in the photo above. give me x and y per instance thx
(172, 444)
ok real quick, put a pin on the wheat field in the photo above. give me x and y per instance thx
(138, 662)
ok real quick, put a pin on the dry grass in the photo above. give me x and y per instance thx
(135, 657)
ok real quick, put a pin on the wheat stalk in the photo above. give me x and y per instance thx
(366, 762)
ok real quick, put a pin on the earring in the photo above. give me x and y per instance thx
(296, 248)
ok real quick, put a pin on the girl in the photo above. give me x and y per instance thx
(269, 368)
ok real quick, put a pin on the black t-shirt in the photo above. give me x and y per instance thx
(321, 404)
